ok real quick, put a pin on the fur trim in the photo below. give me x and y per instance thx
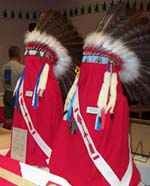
(131, 66)
(64, 60)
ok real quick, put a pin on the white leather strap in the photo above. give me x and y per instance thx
(95, 156)
(41, 143)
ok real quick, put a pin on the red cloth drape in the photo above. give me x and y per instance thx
(70, 158)
(47, 116)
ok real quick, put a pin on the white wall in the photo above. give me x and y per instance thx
(12, 30)
(24, 5)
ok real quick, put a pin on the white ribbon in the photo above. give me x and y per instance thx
(41, 143)
(96, 157)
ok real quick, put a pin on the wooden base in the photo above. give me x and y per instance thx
(5, 138)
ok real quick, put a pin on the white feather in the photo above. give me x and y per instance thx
(64, 60)
(131, 63)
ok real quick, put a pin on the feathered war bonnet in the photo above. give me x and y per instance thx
(55, 38)
(123, 39)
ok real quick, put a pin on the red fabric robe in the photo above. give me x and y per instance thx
(47, 116)
(70, 158)
(9, 165)
(29, 173)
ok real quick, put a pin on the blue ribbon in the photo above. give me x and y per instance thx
(95, 59)
(98, 121)
(35, 97)
(69, 114)
(18, 89)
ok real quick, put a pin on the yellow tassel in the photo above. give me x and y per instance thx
(43, 80)
(71, 92)
(72, 89)
(103, 95)
(113, 93)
